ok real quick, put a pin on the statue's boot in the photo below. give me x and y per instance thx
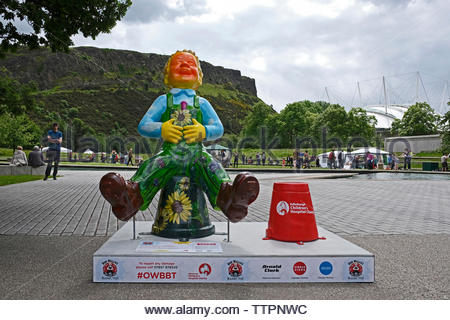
(234, 199)
(124, 196)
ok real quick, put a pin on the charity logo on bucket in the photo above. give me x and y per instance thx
(282, 208)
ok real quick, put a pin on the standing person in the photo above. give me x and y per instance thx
(236, 160)
(130, 157)
(243, 158)
(340, 159)
(444, 162)
(19, 158)
(307, 164)
(391, 161)
(407, 159)
(35, 158)
(332, 160)
(54, 137)
(369, 160)
(317, 162)
(263, 158)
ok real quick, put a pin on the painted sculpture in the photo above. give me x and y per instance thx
(182, 169)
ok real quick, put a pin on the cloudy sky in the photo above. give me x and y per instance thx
(295, 48)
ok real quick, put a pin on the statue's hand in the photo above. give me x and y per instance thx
(195, 132)
(170, 132)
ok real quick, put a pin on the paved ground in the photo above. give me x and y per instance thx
(49, 231)
(72, 205)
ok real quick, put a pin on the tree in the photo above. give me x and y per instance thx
(256, 119)
(359, 124)
(334, 119)
(18, 131)
(419, 119)
(54, 22)
(15, 98)
(445, 133)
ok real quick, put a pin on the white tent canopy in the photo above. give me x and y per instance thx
(372, 150)
(348, 156)
(63, 150)
(88, 151)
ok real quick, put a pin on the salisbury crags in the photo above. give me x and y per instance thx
(112, 89)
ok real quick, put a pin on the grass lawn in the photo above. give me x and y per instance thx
(5, 180)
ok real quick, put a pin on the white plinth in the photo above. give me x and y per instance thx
(247, 258)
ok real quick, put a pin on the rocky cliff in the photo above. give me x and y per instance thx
(112, 89)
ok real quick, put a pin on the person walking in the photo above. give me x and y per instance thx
(263, 158)
(130, 157)
(236, 160)
(54, 137)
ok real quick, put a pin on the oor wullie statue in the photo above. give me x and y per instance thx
(182, 168)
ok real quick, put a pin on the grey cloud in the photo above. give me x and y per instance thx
(144, 11)
(390, 40)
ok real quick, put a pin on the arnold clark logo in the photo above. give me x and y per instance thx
(271, 268)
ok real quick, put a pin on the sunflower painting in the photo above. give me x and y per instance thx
(184, 183)
(161, 222)
(178, 207)
(182, 117)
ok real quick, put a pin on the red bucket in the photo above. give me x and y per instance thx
(291, 213)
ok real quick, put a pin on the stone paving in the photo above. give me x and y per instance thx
(72, 205)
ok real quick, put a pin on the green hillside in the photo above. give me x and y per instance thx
(106, 91)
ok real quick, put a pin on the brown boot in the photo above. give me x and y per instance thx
(124, 196)
(234, 199)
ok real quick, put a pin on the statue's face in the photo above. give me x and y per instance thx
(183, 71)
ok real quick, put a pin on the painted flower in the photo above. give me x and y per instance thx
(184, 183)
(213, 166)
(161, 222)
(161, 163)
(178, 207)
(156, 182)
(182, 117)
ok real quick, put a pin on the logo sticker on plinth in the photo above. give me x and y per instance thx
(355, 270)
(271, 271)
(204, 270)
(325, 269)
(110, 269)
(299, 269)
(235, 270)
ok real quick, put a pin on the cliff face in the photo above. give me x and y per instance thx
(114, 88)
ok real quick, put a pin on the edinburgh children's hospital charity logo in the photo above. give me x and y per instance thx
(282, 208)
